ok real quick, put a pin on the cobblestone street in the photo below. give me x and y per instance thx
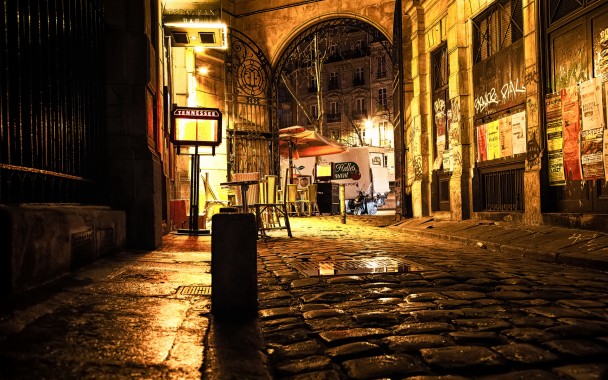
(369, 299)
(461, 311)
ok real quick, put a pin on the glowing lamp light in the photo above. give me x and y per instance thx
(194, 126)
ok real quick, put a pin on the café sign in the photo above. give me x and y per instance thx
(192, 126)
(346, 170)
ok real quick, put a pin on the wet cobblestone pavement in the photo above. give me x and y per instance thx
(460, 312)
(369, 299)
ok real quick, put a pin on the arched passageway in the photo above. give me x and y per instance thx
(256, 91)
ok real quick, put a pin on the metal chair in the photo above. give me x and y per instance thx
(291, 200)
(268, 211)
(309, 201)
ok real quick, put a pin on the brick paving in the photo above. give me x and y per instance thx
(463, 312)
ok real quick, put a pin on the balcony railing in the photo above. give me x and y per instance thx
(333, 85)
(360, 114)
(334, 117)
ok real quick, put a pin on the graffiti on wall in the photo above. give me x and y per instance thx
(499, 82)
(508, 91)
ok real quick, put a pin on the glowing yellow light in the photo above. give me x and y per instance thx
(203, 70)
(199, 49)
(196, 130)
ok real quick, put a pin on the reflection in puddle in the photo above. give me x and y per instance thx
(352, 267)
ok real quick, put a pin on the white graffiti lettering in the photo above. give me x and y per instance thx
(484, 101)
(510, 90)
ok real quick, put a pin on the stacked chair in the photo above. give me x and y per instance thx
(309, 200)
(269, 209)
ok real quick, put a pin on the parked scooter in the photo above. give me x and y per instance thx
(364, 203)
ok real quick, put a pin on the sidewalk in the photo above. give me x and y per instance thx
(581, 248)
(133, 315)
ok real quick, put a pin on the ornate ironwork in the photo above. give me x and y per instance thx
(323, 27)
(51, 100)
(250, 136)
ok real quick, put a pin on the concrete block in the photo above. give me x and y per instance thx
(234, 266)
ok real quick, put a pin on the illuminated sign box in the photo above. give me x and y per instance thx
(196, 126)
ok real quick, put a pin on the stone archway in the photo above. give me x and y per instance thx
(329, 25)
(339, 25)
(273, 28)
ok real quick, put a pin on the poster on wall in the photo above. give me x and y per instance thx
(601, 54)
(506, 136)
(518, 126)
(591, 103)
(482, 144)
(571, 133)
(448, 161)
(453, 131)
(493, 133)
(592, 157)
(555, 141)
(440, 137)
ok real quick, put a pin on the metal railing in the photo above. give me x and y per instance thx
(51, 100)
(333, 117)
(503, 190)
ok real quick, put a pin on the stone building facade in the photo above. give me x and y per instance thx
(356, 82)
(480, 76)
(477, 76)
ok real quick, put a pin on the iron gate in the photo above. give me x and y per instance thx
(249, 108)
(51, 100)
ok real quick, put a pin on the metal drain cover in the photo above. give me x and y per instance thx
(194, 290)
(361, 266)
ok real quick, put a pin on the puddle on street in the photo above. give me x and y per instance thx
(363, 266)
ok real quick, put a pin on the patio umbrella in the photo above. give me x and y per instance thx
(304, 143)
(307, 144)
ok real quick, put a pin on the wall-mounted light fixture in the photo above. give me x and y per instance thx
(195, 24)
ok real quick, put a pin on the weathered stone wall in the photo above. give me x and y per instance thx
(273, 24)
(43, 243)
(434, 23)
(134, 133)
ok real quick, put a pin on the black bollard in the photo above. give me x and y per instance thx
(234, 293)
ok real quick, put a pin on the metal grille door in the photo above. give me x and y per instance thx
(51, 100)
(248, 108)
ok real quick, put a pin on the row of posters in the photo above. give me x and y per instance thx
(503, 137)
(576, 133)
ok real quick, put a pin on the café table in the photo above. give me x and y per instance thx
(244, 186)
